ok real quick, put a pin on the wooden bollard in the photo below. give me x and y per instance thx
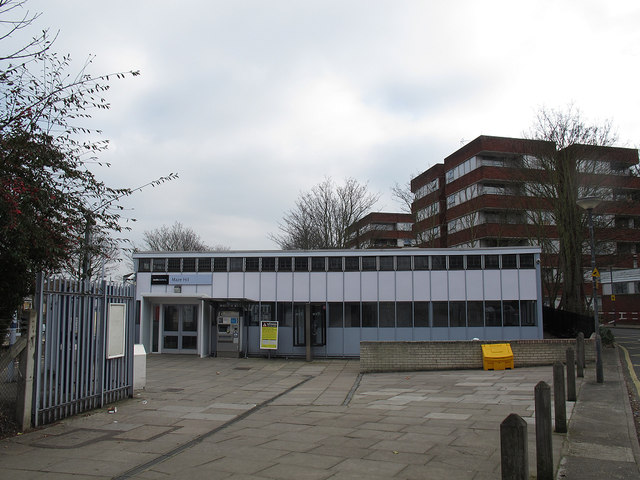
(559, 402)
(580, 354)
(544, 443)
(513, 448)
(571, 376)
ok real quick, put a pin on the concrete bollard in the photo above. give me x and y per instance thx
(544, 442)
(571, 375)
(513, 448)
(580, 354)
(559, 402)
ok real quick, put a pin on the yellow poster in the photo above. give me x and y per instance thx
(269, 335)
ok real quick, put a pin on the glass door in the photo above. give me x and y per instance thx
(180, 329)
(317, 323)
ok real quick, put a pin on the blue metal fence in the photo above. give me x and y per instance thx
(74, 373)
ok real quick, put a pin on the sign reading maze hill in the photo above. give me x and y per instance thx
(269, 335)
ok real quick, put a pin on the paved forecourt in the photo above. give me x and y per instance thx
(288, 419)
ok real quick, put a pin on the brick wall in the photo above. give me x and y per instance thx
(408, 356)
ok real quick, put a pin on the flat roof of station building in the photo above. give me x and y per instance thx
(342, 252)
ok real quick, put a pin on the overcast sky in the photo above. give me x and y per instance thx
(252, 102)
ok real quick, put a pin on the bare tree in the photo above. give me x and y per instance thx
(321, 216)
(176, 238)
(555, 176)
(402, 194)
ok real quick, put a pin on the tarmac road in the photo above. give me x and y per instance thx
(629, 341)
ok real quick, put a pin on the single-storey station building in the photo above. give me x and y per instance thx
(226, 303)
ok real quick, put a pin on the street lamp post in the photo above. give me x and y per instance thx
(589, 203)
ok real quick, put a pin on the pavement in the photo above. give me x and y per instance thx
(262, 419)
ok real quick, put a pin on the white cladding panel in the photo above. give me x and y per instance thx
(387, 286)
(492, 285)
(528, 285)
(439, 286)
(335, 286)
(404, 286)
(252, 286)
(369, 286)
(284, 289)
(268, 287)
(301, 287)
(351, 286)
(475, 285)
(457, 285)
(510, 285)
(236, 285)
(220, 285)
(421, 286)
(318, 283)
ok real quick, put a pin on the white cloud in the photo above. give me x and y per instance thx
(252, 101)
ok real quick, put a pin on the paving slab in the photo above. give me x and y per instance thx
(278, 419)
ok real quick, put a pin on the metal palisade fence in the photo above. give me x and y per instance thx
(84, 344)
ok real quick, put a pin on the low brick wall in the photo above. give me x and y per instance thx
(411, 356)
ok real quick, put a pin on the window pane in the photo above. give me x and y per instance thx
(474, 262)
(511, 313)
(369, 314)
(526, 260)
(171, 318)
(368, 263)
(251, 264)
(299, 324)
(204, 264)
(351, 264)
(475, 314)
(285, 314)
(335, 314)
(189, 318)
(403, 263)
(144, 264)
(351, 315)
(528, 312)
(158, 264)
(440, 314)
(284, 264)
(439, 262)
(335, 264)
(268, 264)
(509, 261)
(252, 314)
(421, 314)
(387, 315)
(491, 262)
(173, 265)
(403, 314)
(457, 314)
(318, 264)
(456, 262)
(219, 264)
(235, 264)
(493, 314)
(421, 262)
(267, 311)
(188, 264)
(386, 263)
(301, 264)
(190, 342)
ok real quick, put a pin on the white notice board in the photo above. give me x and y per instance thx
(116, 329)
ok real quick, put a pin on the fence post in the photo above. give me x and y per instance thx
(27, 366)
(580, 354)
(571, 375)
(544, 443)
(513, 448)
(559, 401)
